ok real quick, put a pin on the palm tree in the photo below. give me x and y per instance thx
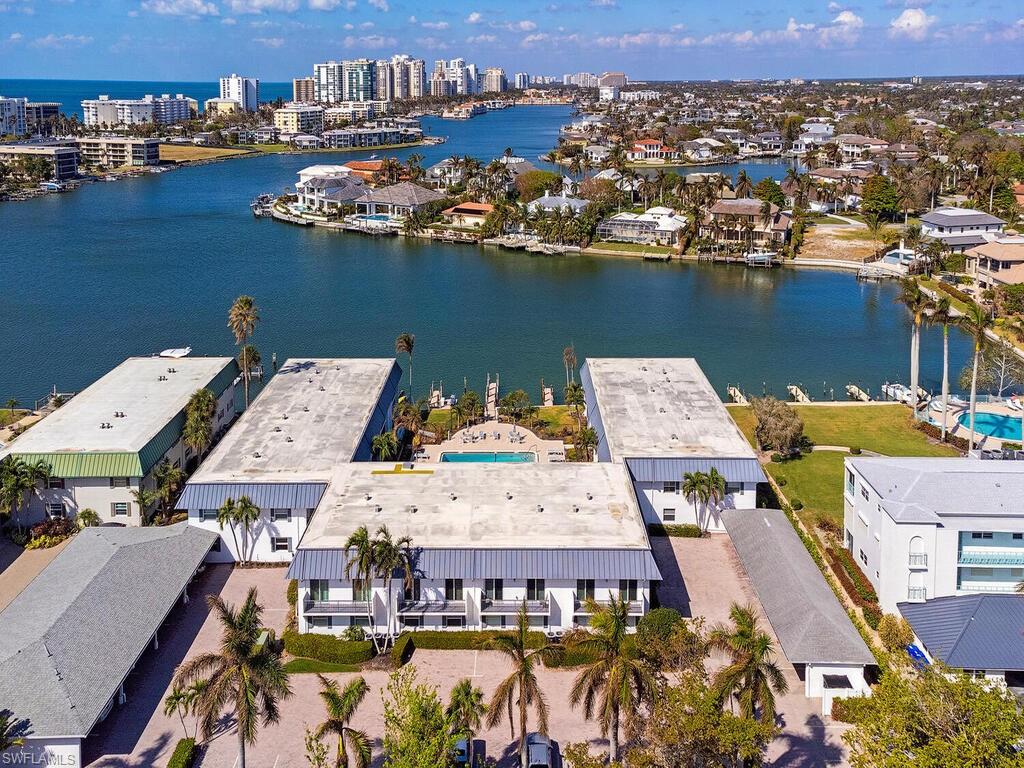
(246, 515)
(585, 441)
(743, 184)
(618, 682)
(228, 514)
(942, 314)
(245, 672)
(405, 344)
(976, 321)
(146, 499)
(341, 705)
(569, 360)
(391, 556)
(9, 728)
(182, 701)
(917, 301)
(18, 482)
(361, 567)
(12, 404)
(695, 489)
(199, 412)
(576, 399)
(242, 319)
(168, 480)
(249, 357)
(384, 446)
(466, 709)
(752, 675)
(521, 688)
(714, 482)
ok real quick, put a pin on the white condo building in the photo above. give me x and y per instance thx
(329, 82)
(13, 120)
(163, 110)
(244, 90)
(923, 528)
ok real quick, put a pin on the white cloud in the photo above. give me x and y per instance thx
(523, 26)
(323, 5)
(531, 40)
(15, 37)
(603, 3)
(269, 42)
(644, 40)
(229, 21)
(369, 41)
(432, 43)
(474, 18)
(259, 6)
(367, 25)
(912, 24)
(844, 30)
(180, 7)
(380, 5)
(61, 41)
(480, 39)
(1012, 32)
(435, 25)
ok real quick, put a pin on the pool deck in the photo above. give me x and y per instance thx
(494, 436)
(985, 441)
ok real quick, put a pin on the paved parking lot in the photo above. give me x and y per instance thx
(19, 566)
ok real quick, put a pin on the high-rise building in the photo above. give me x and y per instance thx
(440, 86)
(244, 90)
(455, 72)
(522, 81)
(494, 80)
(612, 80)
(328, 82)
(359, 79)
(383, 81)
(474, 80)
(399, 75)
(40, 116)
(13, 119)
(164, 109)
(417, 78)
(304, 89)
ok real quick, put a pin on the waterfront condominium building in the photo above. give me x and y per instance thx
(522, 81)
(328, 82)
(106, 441)
(41, 115)
(244, 90)
(13, 118)
(299, 118)
(474, 79)
(117, 151)
(612, 80)
(407, 76)
(64, 159)
(440, 85)
(455, 72)
(383, 80)
(359, 79)
(494, 80)
(661, 418)
(164, 110)
(304, 90)
(925, 528)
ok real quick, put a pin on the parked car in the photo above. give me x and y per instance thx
(539, 751)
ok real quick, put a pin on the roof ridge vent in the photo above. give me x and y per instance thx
(257, 455)
(288, 439)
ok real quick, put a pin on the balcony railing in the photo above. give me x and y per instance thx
(918, 559)
(917, 593)
(989, 586)
(993, 558)
(512, 606)
(635, 606)
(455, 607)
(312, 607)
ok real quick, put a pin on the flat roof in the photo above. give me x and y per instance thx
(662, 407)
(957, 217)
(309, 417)
(483, 506)
(143, 388)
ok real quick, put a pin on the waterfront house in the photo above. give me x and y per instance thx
(548, 203)
(468, 214)
(303, 141)
(961, 228)
(656, 226)
(768, 142)
(651, 150)
(267, 134)
(922, 528)
(445, 173)
(596, 153)
(328, 188)
(397, 200)
(997, 263)
(742, 221)
(106, 441)
(857, 147)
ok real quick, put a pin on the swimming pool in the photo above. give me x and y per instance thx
(490, 457)
(374, 217)
(994, 425)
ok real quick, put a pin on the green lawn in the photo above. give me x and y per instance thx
(551, 421)
(631, 247)
(8, 416)
(306, 666)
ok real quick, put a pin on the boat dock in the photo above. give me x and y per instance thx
(736, 396)
(856, 393)
(491, 399)
(874, 274)
(797, 394)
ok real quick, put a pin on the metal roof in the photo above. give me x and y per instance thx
(959, 217)
(76, 631)
(263, 495)
(667, 469)
(807, 618)
(971, 631)
(69, 465)
(562, 564)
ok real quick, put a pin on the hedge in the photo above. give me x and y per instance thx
(956, 293)
(440, 640)
(402, 650)
(935, 433)
(327, 648)
(676, 530)
(844, 560)
(293, 593)
(184, 754)
(840, 711)
(307, 666)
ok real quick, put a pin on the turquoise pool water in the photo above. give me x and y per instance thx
(374, 217)
(994, 425)
(490, 457)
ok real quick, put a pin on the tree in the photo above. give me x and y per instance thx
(917, 302)
(779, 427)
(12, 404)
(87, 518)
(316, 750)
(569, 360)
(249, 357)
(471, 407)
(168, 480)
(245, 673)
(417, 732)
(516, 406)
(999, 369)
(404, 344)
(246, 515)
(942, 314)
(11, 730)
(743, 184)
(199, 412)
(362, 568)
(466, 709)
(752, 675)
(146, 498)
(243, 317)
(695, 490)
(532, 184)
(182, 700)
(584, 443)
(880, 196)
(384, 446)
(228, 515)
(895, 633)
(341, 706)
(937, 717)
(618, 682)
(521, 689)
(976, 322)
(768, 189)
(575, 398)
(392, 556)
(19, 480)
(715, 483)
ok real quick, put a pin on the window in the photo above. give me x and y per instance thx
(54, 509)
(670, 487)
(119, 482)
(361, 589)
(207, 514)
(412, 621)
(319, 622)
(281, 514)
(627, 589)
(280, 544)
(55, 482)
(216, 545)
(733, 488)
(319, 589)
(863, 557)
(584, 589)
(453, 589)
(188, 452)
(494, 621)
(359, 621)
(668, 515)
(981, 534)
(864, 493)
(1018, 536)
(535, 589)
(454, 621)
(412, 593)
(119, 509)
(494, 589)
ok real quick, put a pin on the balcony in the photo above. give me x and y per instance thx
(311, 607)
(439, 607)
(636, 607)
(992, 558)
(918, 560)
(988, 586)
(533, 607)
(917, 593)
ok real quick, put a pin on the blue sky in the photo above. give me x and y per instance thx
(648, 39)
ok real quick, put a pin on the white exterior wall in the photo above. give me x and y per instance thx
(260, 542)
(55, 751)
(814, 683)
(654, 501)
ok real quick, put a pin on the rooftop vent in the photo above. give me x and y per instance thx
(172, 370)
(284, 415)
(161, 378)
(412, 509)
(661, 410)
(576, 508)
(539, 508)
(288, 439)
(257, 455)
(368, 497)
(305, 409)
(590, 496)
(277, 429)
(675, 436)
(322, 388)
(310, 379)
(378, 508)
(452, 496)
(316, 371)
(643, 368)
(508, 495)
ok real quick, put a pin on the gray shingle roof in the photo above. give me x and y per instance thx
(73, 634)
(971, 631)
(807, 618)
(403, 193)
(959, 217)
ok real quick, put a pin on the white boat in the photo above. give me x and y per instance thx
(177, 352)
(897, 392)
(761, 258)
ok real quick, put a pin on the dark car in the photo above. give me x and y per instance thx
(539, 751)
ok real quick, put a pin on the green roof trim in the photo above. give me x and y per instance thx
(109, 464)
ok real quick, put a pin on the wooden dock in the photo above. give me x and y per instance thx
(856, 393)
(798, 395)
(736, 396)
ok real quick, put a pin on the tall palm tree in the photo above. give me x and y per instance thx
(917, 301)
(575, 398)
(246, 514)
(743, 184)
(360, 566)
(520, 689)
(228, 515)
(714, 483)
(341, 706)
(168, 480)
(10, 727)
(618, 683)
(752, 675)
(19, 480)
(384, 446)
(942, 314)
(695, 489)
(146, 499)
(245, 673)
(392, 555)
(242, 320)
(976, 321)
(569, 360)
(466, 709)
(199, 412)
(404, 344)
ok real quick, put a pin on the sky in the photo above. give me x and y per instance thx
(275, 40)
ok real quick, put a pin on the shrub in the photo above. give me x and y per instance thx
(840, 711)
(312, 666)
(935, 433)
(778, 427)
(293, 592)
(894, 632)
(781, 481)
(657, 625)
(1011, 446)
(184, 754)
(354, 634)
(777, 458)
(402, 650)
(327, 648)
(843, 562)
(55, 526)
(855, 450)
(796, 504)
(45, 542)
(18, 537)
(87, 518)
(956, 293)
(828, 525)
(872, 615)
(440, 640)
(571, 657)
(677, 530)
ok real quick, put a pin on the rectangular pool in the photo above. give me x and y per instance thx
(490, 457)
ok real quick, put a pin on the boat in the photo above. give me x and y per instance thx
(53, 186)
(262, 205)
(373, 156)
(761, 258)
(896, 391)
(177, 352)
